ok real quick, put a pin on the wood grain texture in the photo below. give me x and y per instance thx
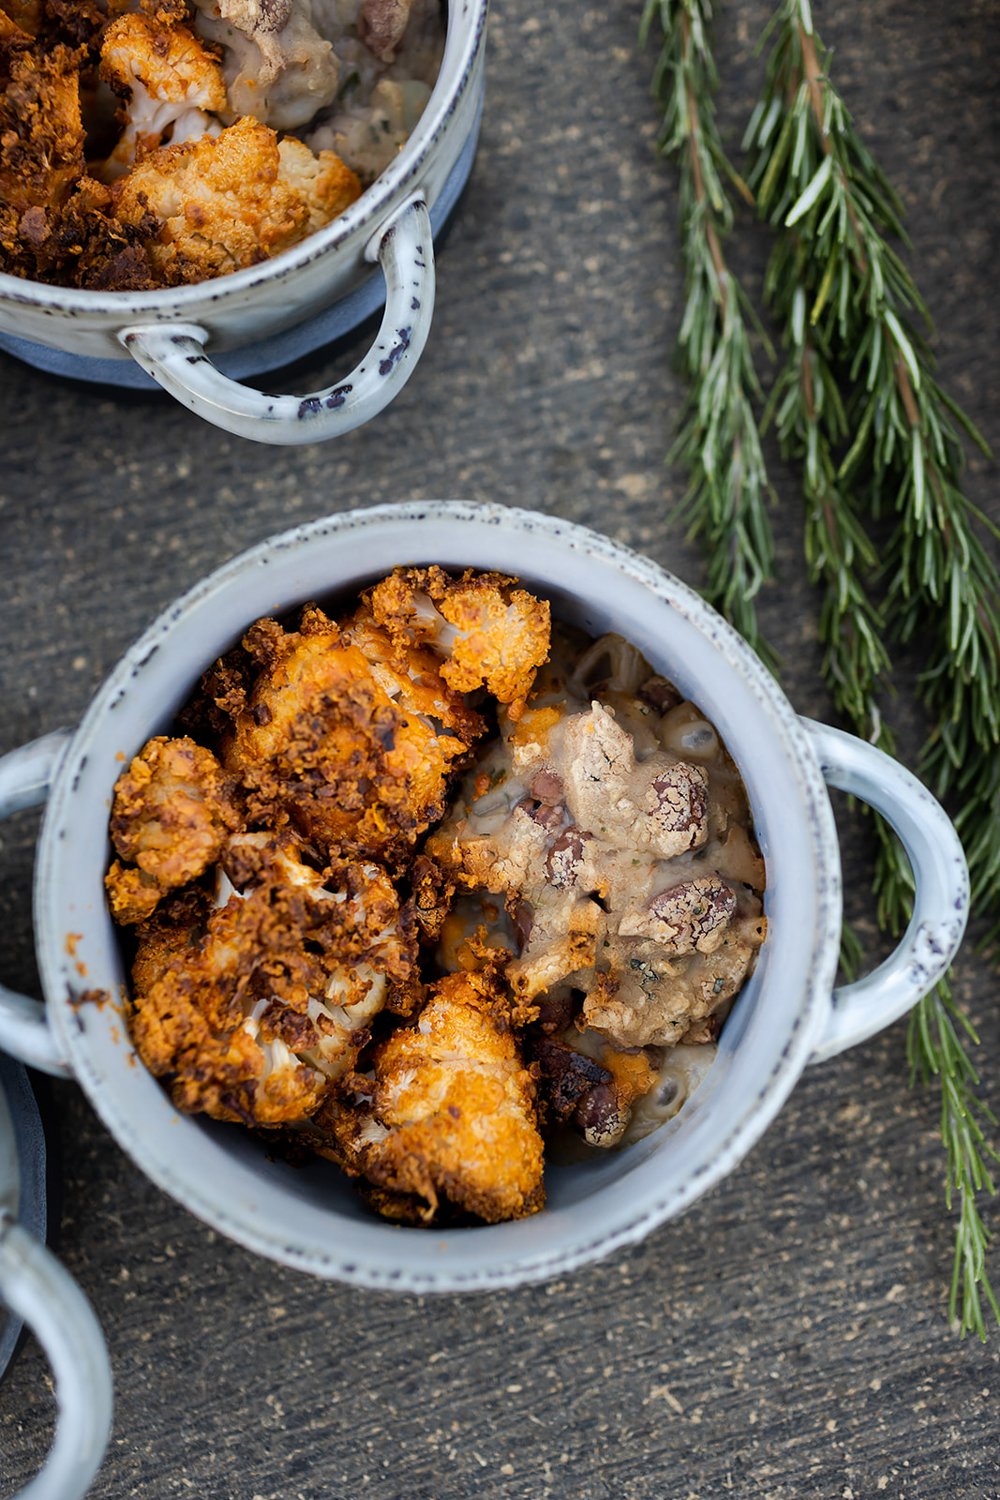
(787, 1337)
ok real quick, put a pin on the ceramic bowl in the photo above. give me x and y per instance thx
(788, 1014)
(39, 1292)
(174, 332)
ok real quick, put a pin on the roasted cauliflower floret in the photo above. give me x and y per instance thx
(172, 812)
(277, 66)
(215, 205)
(448, 1122)
(320, 744)
(411, 677)
(171, 86)
(250, 1010)
(41, 149)
(490, 633)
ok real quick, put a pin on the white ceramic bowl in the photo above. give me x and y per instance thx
(168, 331)
(786, 1016)
(38, 1291)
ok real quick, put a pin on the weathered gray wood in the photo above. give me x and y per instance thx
(788, 1337)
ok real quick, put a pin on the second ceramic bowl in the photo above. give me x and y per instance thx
(787, 1015)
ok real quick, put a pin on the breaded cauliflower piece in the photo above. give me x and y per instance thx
(411, 677)
(94, 249)
(490, 633)
(41, 149)
(325, 742)
(212, 206)
(277, 66)
(171, 86)
(250, 1010)
(449, 1121)
(172, 812)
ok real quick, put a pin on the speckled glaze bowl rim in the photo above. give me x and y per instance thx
(468, 18)
(265, 1233)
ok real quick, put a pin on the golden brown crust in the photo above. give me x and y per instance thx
(491, 633)
(321, 745)
(433, 891)
(450, 1120)
(249, 1010)
(93, 249)
(221, 203)
(172, 811)
(411, 676)
(164, 76)
(41, 150)
(20, 16)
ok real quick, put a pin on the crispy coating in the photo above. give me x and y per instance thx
(215, 205)
(250, 1010)
(491, 633)
(411, 676)
(432, 893)
(94, 249)
(321, 744)
(173, 809)
(41, 149)
(169, 83)
(449, 1122)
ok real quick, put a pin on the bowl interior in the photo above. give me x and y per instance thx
(465, 22)
(311, 1217)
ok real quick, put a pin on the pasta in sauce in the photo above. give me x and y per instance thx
(606, 836)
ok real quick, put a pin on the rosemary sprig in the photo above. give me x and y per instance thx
(857, 408)
(893, 437)
(936, 1052)
(811, 424)
(718, 440)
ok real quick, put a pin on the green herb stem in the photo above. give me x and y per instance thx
(718, 439)
(857, 405)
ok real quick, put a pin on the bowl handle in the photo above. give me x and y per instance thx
(37, 1288)
(941, 895)
(25, 778)
(174, 353)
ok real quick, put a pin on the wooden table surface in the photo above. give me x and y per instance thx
(788, 1337)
